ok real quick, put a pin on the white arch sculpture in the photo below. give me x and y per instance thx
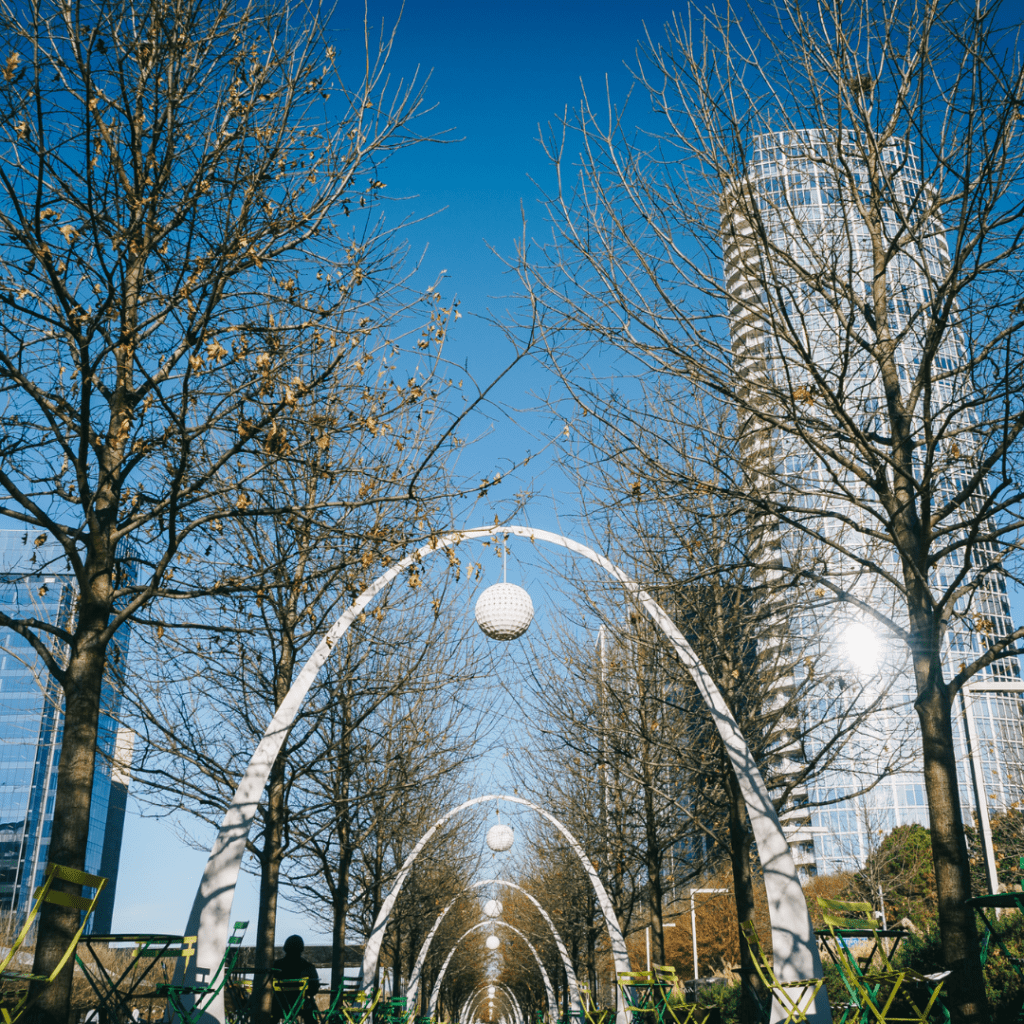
(414, 980)
(472, 1002)
(617, 943)
(548, 987)
(793, 943)
(517, 1010)
(466, 1014)
(473, 1007)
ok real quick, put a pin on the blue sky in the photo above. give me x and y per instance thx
(497, 71)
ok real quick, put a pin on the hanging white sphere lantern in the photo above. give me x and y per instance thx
(504, 611)
(493, 942)
(500, 838)
(493, 908)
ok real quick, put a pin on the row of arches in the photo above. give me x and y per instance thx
(412, 989)
(795, 950)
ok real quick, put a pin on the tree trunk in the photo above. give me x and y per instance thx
(270, 882)
(751, 994)
(396, 964)
(83, 681)
(592, 961)
(375, 902)
(652, 860)
(340, 920)
(273, 832)
(967, 1001)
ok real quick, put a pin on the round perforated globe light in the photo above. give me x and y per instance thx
(500, 838)
(504, 611)
(493, 942)
(493, 908)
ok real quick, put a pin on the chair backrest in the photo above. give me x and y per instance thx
(290, 986)
(185, 947)
(673, 991)
(637, 991)
(45, 893)
(665, 976)
(761, 963)
(853, 915)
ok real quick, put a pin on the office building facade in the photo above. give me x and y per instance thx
(35, 582)
(811, 222)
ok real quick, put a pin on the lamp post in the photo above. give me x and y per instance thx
(693, 926)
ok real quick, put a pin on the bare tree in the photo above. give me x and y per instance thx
(637, 760)
(391, 740)
(821, 229)
(275, 584)
(175, 177)
(755, 627)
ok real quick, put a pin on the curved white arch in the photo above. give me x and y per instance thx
(620, 956)
(548, 988)
(475, 1006)
(472, 1002)
(414, 979)
(793, 943)
(517, 1010)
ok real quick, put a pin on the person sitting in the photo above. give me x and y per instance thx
(293, 967)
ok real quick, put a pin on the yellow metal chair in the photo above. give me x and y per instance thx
(356, 1007)
(886, 994)
(797, 997)
(589, 1010)
(15, 985)
(673, 995)
(639, 992)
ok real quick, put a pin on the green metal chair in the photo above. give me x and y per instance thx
(187, 1003)
(289, 998)
(396, 1011)
(19, 989)
(884, 996)
(796, 997)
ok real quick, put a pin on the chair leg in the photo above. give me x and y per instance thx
(764, 1013)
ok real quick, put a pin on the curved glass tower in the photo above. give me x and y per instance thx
(812, 249)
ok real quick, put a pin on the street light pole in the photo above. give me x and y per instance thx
(693, 926)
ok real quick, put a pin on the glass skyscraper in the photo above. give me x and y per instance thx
(812, 224)
(35, 582)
